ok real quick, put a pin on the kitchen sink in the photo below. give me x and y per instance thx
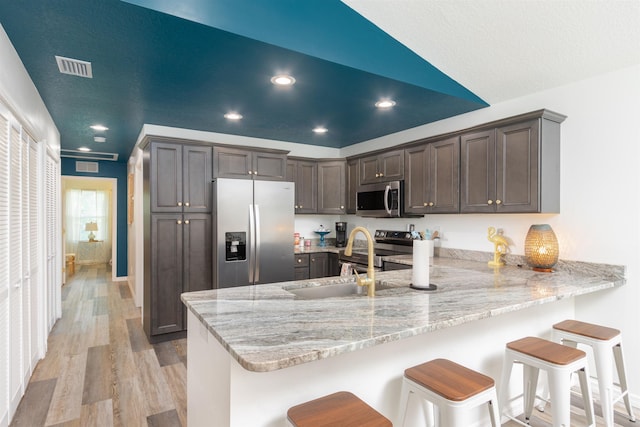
(332, 291)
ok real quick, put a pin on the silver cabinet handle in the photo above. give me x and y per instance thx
(186, 204)
(250, 172)
(186, 222)
(498, 202)
(179, 221)
(179, 203)
(489, 202)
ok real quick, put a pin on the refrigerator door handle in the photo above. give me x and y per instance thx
(252, 252)
(257, 251)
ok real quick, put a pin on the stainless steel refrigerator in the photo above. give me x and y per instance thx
(253, 232)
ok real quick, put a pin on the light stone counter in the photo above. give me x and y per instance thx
(240, 340)
(266, 328)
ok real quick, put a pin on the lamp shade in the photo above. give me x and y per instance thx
(541, 247)
(91, 226)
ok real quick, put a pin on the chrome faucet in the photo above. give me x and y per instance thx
(370, 280)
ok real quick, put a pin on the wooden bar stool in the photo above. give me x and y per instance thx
(452, 388)
(338, 409)
(559, 362)
(607, 347)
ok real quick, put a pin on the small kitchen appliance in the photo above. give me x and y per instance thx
(341, 234)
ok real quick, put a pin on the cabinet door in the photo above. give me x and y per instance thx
(197, 173)
(269, 166)
(444, 176)
(318, 265)
(331, 187)
(306, 187)
(391, 165)
(416, 189)
(166, 274)
(334, 265)
(478, 180)
(197, 261)
(369, 170)
(232, 163)
(292, 168)
(352, 185)
(301, 270)
(165, 177)
(517, 168)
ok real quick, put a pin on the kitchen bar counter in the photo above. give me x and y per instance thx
(261, 330)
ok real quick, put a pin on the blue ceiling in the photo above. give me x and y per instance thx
(185, 64)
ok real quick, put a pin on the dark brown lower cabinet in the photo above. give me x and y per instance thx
(179, 261)
(318, 265)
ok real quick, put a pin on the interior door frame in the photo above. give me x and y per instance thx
(67, 182)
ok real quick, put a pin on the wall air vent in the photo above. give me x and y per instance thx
(75, 67)
(91, 155)
(89, 167)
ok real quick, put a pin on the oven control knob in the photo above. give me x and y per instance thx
(407, 236)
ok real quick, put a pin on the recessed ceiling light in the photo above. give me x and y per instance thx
(233, 116)
(283, 80)
(320, 129)
(99, 139)
(385, 103)
(99, 128)
(84, 149)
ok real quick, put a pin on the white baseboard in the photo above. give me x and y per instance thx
(120, 279)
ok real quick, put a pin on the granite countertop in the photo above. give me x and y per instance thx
(266, 328)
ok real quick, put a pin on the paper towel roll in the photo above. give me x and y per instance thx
(420, 276)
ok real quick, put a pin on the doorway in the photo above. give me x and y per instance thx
(89, 222)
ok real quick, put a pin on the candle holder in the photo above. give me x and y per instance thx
(541, 248)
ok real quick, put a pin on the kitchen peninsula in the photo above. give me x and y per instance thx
(255, 351)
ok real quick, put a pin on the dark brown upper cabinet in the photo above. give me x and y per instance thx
(331, 187)
(304, 173)
(386, 166)
(432, 174)
(180, 178)
(352, 176)
(513, 167)
(249, 164)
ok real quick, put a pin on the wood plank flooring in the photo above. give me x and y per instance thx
(100, 369)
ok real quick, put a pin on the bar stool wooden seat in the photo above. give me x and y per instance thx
(559, 362)
(607, 347)
(452, 388)
(338, 409)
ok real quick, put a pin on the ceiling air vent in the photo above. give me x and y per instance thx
(88, 167)
(75, 67)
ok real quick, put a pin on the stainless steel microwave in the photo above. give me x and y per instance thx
(384, 200)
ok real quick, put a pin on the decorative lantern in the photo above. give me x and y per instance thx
(541, 247)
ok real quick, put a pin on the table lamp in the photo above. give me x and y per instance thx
(541, 247)
(91, 227)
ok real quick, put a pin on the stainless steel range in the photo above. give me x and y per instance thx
(386, 243)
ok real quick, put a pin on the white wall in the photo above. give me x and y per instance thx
(600, 191)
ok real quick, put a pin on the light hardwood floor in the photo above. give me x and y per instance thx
(100, 369)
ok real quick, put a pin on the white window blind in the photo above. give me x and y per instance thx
(15, 263)
(4, 265)
(26, 240)
(34, 262)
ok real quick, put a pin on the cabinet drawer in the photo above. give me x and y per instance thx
(301, 260)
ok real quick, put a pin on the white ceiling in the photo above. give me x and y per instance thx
(504, 49)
